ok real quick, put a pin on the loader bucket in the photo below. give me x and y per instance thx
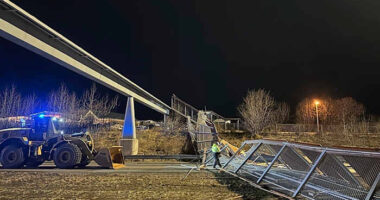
(117, 157)
(111, 158)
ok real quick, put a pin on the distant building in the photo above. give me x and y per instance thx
(113, 118)
(222, 122)
(14, 119)
(146, 124)
(116, 118)
(89, 117)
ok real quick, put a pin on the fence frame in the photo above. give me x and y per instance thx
(320, 157)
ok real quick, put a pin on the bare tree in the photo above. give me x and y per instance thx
(282, 112)
(29, 104)
(67, 103)
(89, 98)
(333, 113)
(349, 113)
(64, 102)
(12, 103)
(306, 111)
(100, 106)
(105, 105)
(258, 110)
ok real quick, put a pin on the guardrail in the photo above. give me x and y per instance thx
(311, 172)
(163, 157)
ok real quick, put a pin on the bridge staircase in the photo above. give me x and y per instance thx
(201, 129)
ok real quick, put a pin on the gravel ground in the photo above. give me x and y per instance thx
(79, 185)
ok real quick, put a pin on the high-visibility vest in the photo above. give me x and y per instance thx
(215, 148)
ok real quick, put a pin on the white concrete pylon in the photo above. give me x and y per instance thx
(128, 140)
(129, 129)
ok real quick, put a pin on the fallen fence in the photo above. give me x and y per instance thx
(311, 172)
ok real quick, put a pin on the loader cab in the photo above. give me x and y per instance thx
(43, 126)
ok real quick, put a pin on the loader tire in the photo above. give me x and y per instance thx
(12, 157)
(67, 156)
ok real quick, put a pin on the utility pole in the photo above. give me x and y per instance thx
(316, 110)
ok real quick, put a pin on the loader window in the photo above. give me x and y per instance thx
(51, 130)
(40, 128)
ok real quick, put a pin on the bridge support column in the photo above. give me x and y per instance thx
(165, 119)
(128, 140)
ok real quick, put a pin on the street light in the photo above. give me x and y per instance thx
(316, 102)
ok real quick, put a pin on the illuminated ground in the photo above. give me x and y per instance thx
(137, 181)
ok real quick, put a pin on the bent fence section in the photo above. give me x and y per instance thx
(311, 172)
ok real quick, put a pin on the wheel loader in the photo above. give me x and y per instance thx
(41, 142)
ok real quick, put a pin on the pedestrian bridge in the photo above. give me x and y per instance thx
(298, 170)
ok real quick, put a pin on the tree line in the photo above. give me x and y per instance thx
(69, 104)
(260, 110)
(344, 111)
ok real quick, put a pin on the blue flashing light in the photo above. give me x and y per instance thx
(41, 116)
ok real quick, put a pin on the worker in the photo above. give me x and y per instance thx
(216, 151)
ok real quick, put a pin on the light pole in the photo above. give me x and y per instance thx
(316, 102)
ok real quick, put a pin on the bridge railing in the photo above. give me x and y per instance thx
(312, 172)
(204, 137)
(184, 108)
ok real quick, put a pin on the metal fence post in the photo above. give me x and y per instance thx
(281, 160)
(375, 185)
(272, 163)
(309, 173)
(233, 156)
(249, 156)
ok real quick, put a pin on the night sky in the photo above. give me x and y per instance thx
(210, 53)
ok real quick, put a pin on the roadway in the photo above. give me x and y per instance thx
(131, 167)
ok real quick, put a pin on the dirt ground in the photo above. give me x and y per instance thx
(48, 184)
